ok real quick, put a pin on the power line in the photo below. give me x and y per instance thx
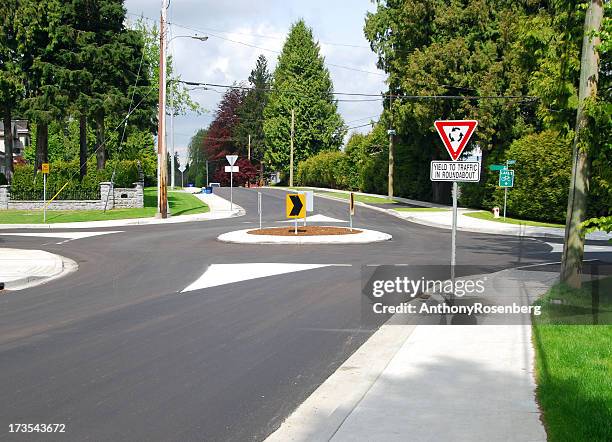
(362, 125)
(379, 96)
(190, 28)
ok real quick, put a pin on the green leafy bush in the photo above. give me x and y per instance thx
(62, 172)
(374, 175)
(542, 175)
(329, 169)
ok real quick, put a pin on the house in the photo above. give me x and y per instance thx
(21, 139)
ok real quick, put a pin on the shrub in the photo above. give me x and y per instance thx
(542, 176)
(331, 169)
(126, 173)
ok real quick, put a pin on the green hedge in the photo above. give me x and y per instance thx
(126, 173)
(329, 169)
(542, 175)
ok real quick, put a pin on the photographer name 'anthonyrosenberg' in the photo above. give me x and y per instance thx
(478, 308)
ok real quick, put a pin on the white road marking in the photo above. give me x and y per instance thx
(318, 218)
(221, 274)
(588, 248)
(68, 236)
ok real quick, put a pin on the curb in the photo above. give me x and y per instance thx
(67, 266)
(243, 237)
(486, 230)
(208, 216)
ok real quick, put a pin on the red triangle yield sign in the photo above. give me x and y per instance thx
(455, 135)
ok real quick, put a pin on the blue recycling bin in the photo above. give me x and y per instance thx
(208, 190)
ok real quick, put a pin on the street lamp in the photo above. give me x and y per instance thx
(161, 130)
(173, 153)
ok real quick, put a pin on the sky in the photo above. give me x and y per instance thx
(228, 56)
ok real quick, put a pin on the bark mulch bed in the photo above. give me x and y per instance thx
(304, 231)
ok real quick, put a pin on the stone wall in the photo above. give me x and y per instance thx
(110, 198)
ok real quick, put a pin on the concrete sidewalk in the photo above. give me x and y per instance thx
(433, 382)
(219, 209)
(444, 220)
(20, 269)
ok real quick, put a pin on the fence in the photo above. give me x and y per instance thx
(66, 194)
(106, 197)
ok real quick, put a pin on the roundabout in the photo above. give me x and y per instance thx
(305, 235)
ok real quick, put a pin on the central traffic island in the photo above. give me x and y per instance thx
(305, 231)
(305, 235)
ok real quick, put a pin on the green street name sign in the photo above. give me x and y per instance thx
(496, 167)
(506, 178)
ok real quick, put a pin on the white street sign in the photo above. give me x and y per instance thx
(231, 159)
(464, 171)
(229, 169)
(309, 200)
(182, 168)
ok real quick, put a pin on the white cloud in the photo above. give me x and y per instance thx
(265, 24)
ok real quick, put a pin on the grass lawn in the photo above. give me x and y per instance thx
(421, 209)
(574, 364)
(180, 204)
(360, 198)
(489, 217)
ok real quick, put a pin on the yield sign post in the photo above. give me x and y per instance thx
(455, 135)
(231, 159)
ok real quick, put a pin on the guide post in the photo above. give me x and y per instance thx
(351, 209)
(259, 207)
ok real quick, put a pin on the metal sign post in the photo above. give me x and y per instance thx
(455, 135)
(45, 170)
(45, 198)
(453, 261)
(231, 159)
(182, 169)
(296, 207)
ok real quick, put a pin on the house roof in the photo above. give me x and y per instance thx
(22, 126)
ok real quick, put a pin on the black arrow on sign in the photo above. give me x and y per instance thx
(297, 205)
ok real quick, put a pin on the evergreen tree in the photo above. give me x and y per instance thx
(252, 110)
(37, 31)
(301, 83)
(11, 77)
(469, 48)
(197, 159)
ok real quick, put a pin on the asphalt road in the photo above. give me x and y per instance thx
(116, 352)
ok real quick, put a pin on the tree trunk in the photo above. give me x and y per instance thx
(100, 145)
(573, 249)
(8, 143)
(83, 145)
(42, 144)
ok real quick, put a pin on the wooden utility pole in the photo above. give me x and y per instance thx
(391, 164)
(161, 124)
(249, 149)
(291, 154)
(391, 133)
(573, 248)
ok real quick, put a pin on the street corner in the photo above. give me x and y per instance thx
(304, 235)
(21, 269)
